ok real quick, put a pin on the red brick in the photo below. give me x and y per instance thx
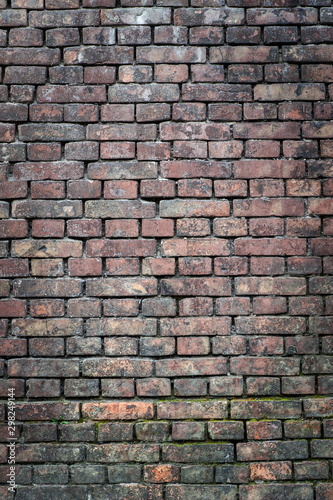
(46, 112)
(13, 228)
(198, 188)
(26, 37)
(85, 267)
(117, 112)
(122, 228)
(81, 151)
(207, 73)
(80, 113)
(48, 228)
(268, 305)
(157, 228)
(262, 149)
(194, 169)
(258, 111)
(267, 246)
(48, 189)
(12, 309)
(47, 267)
(157, 188)
(195, 266)
(253, 169)
(206, 35)
(158, 266)
(42, 308)
(197, 306)
(44, 152)
(136, 74)
(154, 151)
(270, 471)
(230, 149)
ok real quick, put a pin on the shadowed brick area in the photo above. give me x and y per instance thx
(166, 252)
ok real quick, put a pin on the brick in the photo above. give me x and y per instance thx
(46, 112)
(230, 149)
(201, 453)
(189, 208)
(154, 151)
(40, 56)
(121, 228)
(188, 111)
(243, 54)
(54, 93)
(115, 431)
(244, 73)
(13, 228)
(193, 169)
(98, 36)
(272, 451)
(48, 248)
(115, 112)
(134, 35)
(258, 111)
(267, 130)
(104, 367)
(51, 132)
(121, 326)
(210, 17)
(216, 91)
(267, 246)
(194, 247)
(137, 74)
(281, 34)
(62, 37)
(249, 169)
(48, 189)
(11, 18)
(58, 18)
(187, 387)
(197, 491)
(317, 72)
(195, 326)
(98, 55)
(107, 411)
(136, 16)
(191, 286)
(225, 112)
(25, 37)
(267, 265)
(193, 227)
(153, 387)
(198, 306)
(157, 188)
(179, 410)
(282, 16)
(83, 188)
(158, 266)
(206, 36)
(161, 473)
(189, 367)
(243, 35)
(143, 93)
(13, 111)
(193, 431)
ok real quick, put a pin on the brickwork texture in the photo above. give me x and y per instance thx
(166, 253)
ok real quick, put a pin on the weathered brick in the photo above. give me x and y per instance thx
(201, 453)
(154, 92)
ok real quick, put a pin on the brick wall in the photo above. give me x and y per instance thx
(166, 193)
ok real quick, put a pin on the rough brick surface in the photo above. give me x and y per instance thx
(166, 249)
